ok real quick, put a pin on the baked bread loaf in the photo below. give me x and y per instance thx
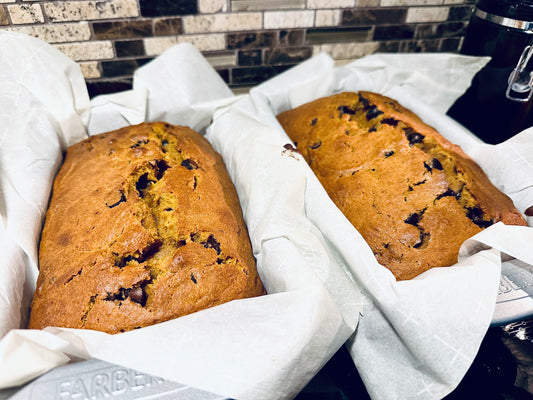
(413, 195)
(144, 225)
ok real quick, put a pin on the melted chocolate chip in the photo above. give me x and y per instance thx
(390, 121)
(346, 110)
(139, 143)
(373, 112)
(366, 103)
(448, 193)
(372, 129)
(189, 164)
(316, 145)
(413, 136)
(142, 184)
(211, 243)
(313, 122)
(475, 214)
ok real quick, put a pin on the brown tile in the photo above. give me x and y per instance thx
(250, 57)
(338, 35)
(294, 37)
(389, 47)
(111, 69)
(450, 45)
(255, 75)
(446, 29)
(122, 29)
(168, 26)
(129, 48)
(420, 46)
(250, 40)
(373, 16)
(394, 32)
(460, 13)
(287, 55)
(105, 86)
(159, 8)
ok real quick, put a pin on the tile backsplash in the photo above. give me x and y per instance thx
(246, 41)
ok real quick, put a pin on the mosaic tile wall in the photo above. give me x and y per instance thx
(247, 41)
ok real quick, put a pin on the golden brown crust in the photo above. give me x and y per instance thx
(144, 225)
(413, 195)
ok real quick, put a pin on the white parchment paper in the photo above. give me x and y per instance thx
(262, 348)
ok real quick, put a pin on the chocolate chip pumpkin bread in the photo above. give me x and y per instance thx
(413, 195)
(144, 225)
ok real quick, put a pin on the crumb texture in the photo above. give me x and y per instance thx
(413, 195)
(144, 225)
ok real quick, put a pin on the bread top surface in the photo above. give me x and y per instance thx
(144, 225)
(413, 195)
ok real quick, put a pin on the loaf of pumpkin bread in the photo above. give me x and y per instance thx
(144, 225)
(414, 196)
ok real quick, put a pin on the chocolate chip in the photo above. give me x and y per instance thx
(529, 211)
(189, 164)
(346, 110)
(448, 193)
(142, 184)
(475, 214)
(212, 243)
(389, 153)
(373, 112)
(366, 103)
(193, 278)
(316, 145)
(139, 143)
(313, 122)
(137, 295)
(372, 129)
(414, 218)
(413, 136)
(390, 121)
(161, 167)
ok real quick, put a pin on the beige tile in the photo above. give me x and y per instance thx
(90, 70)
(223, 22)
(56, 33)
(212, 6)
(25, 13)
(397, 3)
(260, 5)
(367, 3)
(88, 10)
(212, 42)
(325, 18)
(346, 51)
(427, 14)
(330, 3)
(221, 60)
(288, 19)
(83, 51)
